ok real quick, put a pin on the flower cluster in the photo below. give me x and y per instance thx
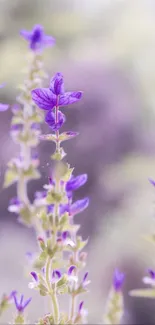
(25, 129)
(57, 268)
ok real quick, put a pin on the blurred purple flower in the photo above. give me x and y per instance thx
(78, 206)
(37, 38)
(15, 205)
(75, 182)
(118, 280)
(20, 304)
(3, 107)
(54, 124)
(152, 181)
(71, 269)
(47, 98)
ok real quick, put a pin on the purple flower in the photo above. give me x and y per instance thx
(56, 275)
(151, 273)
(50, 119)
(118, 280)
(34, 283)
(15, 205)
(47, 98)
(20, 304)
(75, 182)
(71, 269)
(3, 107)
(78, 206)
(37, 39)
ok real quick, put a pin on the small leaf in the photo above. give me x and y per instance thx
(67, 135)
(144, 293)
(58, 155)
(47, 137)
(62, 281)
(10, 178)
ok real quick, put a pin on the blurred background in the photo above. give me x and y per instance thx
(107, 49)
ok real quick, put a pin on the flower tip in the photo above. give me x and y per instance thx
(152, 181)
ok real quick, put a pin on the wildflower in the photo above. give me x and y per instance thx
(3, 107)
(48, 98)
(56, 275)
(15, 205)
(118, 280)
(37, 39)
(34, 283)
(20, 304)
(40, 198)
(150, 279)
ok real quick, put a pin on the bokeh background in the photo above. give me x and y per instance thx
(107, 49)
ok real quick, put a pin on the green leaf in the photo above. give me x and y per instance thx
(10, 177)
(31, 173)
(62, 290)
(143, 293)
(81, 243)
(58, 154)
(62, 281)
(43, 256)
(67, 135)
(48, 137)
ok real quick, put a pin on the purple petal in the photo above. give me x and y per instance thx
(79, 206)
(14, 295)
(49, 40)
(151, 273)
(69, 98)
(64, 235)
(21, 299)
(26, 34)
(50, 208)
(85, 277)
(50, 119)
(3, 107)
(35, 276)
(26, 303)
(56, 273)
(76, 182)
(63, 208)
(40, 194)
(71, 269)
(57, 84)
(81, 306)
(118, 280)
(15, 201)
(152, 181)
(43, 98)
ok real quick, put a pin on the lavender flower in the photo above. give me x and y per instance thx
(37, 39)
(150, 279)
(118, 280)
(47, 98)
(15, 205)
(3, 107)
(20, 304)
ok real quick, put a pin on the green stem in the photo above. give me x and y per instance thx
(52, 293)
